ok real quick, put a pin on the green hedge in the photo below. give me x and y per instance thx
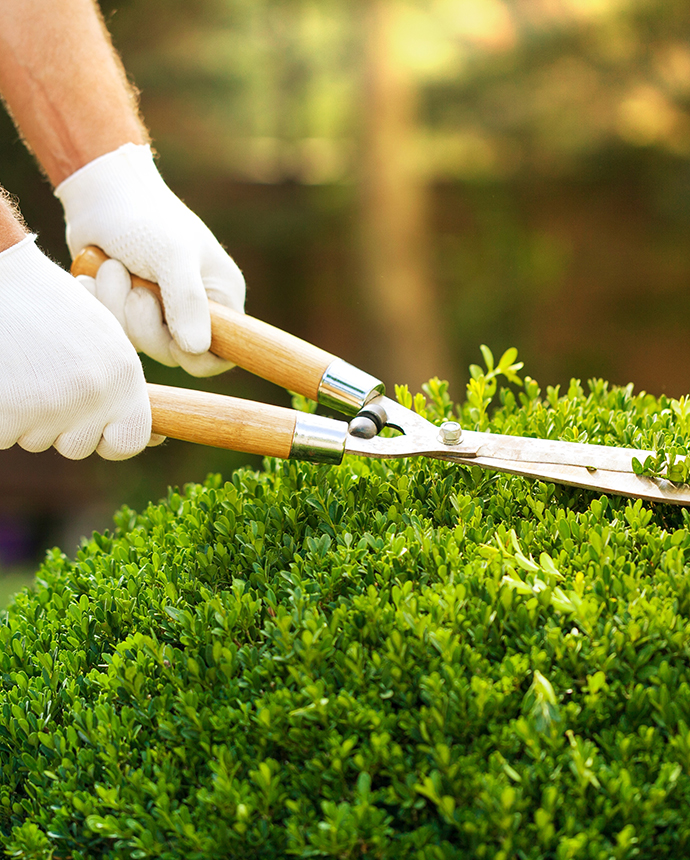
(381, 660)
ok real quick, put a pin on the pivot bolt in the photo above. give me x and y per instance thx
(369, 421)
(450, 432)
(363, 427)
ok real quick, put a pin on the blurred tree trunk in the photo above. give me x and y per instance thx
(396, 267)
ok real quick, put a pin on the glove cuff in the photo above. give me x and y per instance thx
(111, 173)
(29, 239)
(22, 260)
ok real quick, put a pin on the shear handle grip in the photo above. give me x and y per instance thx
(256, 346)
(221, 421)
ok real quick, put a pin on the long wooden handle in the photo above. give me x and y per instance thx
(221, 421)
(258, 347)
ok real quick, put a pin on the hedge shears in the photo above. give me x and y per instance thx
(296, 365)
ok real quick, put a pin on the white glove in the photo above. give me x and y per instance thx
(140, 315)
(120, 203)
(68, 375)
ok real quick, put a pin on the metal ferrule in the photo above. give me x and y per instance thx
(346, 388)
(319, 439)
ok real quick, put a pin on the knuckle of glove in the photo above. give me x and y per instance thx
(203, 365)
(225, 284)
(146, 328)
(113, 285)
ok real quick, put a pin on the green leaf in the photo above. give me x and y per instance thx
(488, 357)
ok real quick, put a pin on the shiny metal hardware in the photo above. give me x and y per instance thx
(450, 432)
(369, 421)
(319, 439)
(363, 427)
(419, 437)
(346, 388)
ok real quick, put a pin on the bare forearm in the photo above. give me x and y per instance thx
(12, 229)
(64, 84)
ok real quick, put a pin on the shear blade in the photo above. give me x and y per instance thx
(597, 467)
(602, 480)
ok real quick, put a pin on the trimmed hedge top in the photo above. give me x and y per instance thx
(401, 659)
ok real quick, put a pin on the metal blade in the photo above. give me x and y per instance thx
(602, 480)
(596, 467)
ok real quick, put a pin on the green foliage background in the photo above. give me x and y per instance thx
(385, 659)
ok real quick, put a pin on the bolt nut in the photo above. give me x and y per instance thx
(450, 432)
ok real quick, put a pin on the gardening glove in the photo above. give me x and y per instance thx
(120, 203)
(68, 375)
(141, 316)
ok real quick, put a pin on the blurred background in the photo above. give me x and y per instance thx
(401, 181)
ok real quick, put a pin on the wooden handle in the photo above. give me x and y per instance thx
(258, 347)
(221, 421)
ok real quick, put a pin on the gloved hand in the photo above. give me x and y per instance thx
(68, 375)
(140, 315)
(120, 203)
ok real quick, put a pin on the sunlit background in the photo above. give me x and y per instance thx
(400, 182)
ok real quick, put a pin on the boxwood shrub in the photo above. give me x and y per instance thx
(402, 659)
